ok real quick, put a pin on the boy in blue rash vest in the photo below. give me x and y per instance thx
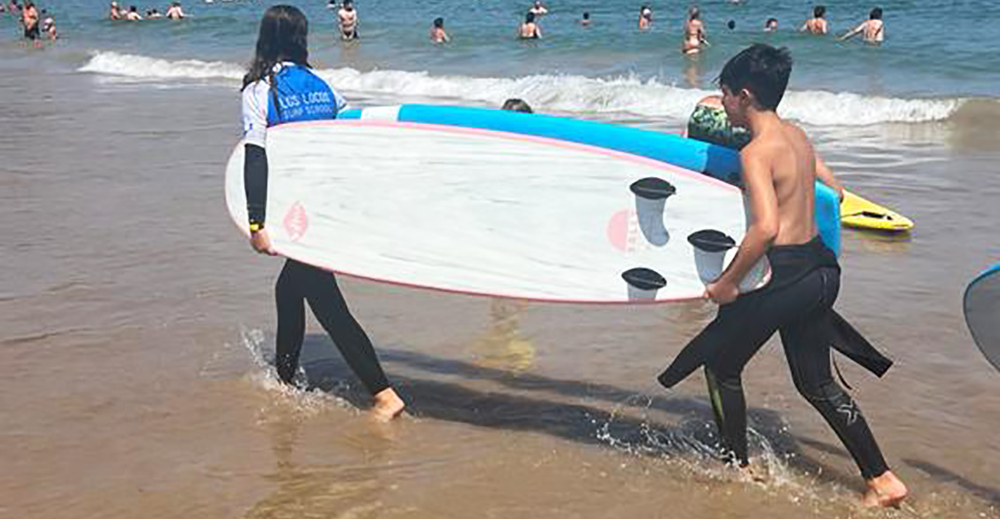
(279, 88)
(779, 172)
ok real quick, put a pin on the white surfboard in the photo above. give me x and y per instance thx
(493, 213)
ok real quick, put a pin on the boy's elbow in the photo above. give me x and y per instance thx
(768, 231)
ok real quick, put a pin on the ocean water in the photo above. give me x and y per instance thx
(136, 325)
(938, 56)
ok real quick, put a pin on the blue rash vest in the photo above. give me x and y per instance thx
(299, 95)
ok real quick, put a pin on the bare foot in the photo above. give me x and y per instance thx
(886, 490)
(387, 406)
(753, 473)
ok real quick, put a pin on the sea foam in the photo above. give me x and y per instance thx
(557, 93)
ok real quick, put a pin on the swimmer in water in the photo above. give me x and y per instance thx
(133, 14)
(437, 32)
(29, 20)
(175, 12)
(529, 30)
(115, 12)
(872, 29)
(771, 25)
(817, 24)
(538, 9)
(645, 18)
(694, 33)
(348, 17)
(49, 26)
(585, 20)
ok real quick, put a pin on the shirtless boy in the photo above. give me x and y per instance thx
(872, 30)
(779, 173)
(817, 24)
(348, 21)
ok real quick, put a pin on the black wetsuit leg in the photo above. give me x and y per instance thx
(808, 354)
(750, 325)
(290, 301)
(299, 282)
(794, 309)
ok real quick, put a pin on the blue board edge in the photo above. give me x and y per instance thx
(716, 161)
(988, 349)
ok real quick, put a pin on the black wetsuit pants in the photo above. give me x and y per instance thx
(794, 310)
(299, 283)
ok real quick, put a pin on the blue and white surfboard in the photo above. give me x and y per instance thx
(496, 213)
(717, 161)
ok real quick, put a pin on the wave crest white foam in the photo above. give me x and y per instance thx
(143, 67)
(562, 93)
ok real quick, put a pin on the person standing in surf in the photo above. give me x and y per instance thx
(694, 32)
(645, 18)
(872, 30)
(817, 24)
(29, 20)
(273, 89)
(529, 29)
(438, 34)
(778, 173)
(348, 17)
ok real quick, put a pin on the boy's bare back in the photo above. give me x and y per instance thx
(783, 154)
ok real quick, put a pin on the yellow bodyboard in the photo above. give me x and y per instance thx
(860, 213)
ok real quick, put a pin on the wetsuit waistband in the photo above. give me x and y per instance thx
(790, 263)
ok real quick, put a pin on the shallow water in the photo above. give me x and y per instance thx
(135, 323)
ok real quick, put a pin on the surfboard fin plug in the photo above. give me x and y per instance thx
(643, 283)
(651, 195)
(710, 248)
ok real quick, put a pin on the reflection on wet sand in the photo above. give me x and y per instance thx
(317, 491)
(501, 345)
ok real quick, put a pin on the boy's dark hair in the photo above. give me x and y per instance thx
(529, 18)
(517, 105)
(819, 11)
(731, 24)
(761, 69)
(586, 15)
(439, 22)
(876, 14)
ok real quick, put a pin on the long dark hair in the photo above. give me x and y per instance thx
(282, 37)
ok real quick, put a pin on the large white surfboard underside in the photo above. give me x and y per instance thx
(481, 212)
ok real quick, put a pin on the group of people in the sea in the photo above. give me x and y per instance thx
(35, 24)
(694, 34)
(118, 12)
(779, 171)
